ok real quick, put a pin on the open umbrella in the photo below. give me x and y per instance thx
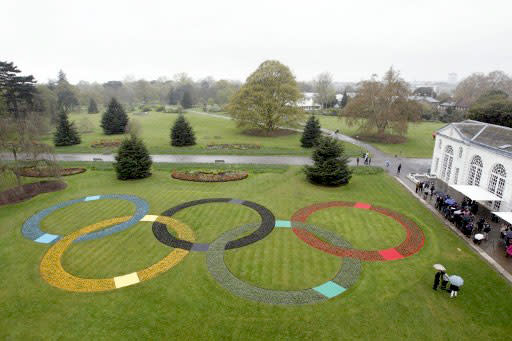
(479, 236)
(439, 267)
(456, 280)
(450, 202)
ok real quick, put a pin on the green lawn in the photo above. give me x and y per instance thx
(392, 300)
(419, 137)
(208, 130)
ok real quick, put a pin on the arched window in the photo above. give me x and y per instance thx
(475, 171)
(497, 183)
(447, 163)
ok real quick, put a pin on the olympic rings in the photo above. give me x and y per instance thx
(266, 226)
(350, 270)
(347, 276)
(52, 271)
(32, 227)
(413, 242)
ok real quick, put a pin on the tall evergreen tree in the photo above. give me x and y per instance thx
(182, 133)
(344, 100)
(186, 101)
(17, 91)
(330, 164)
(311, 132)
(66, 97)
(114, 120)
(66, 134)
(93, 107)
(133, 160)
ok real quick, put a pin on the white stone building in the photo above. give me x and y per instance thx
(477, 154)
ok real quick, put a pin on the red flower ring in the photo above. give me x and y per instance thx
(413, 241)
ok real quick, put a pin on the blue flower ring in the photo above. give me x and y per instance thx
(32, 227)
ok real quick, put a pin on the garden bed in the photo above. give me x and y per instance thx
(273, 133)
(239, 146)
(209, 176)
(106, 144)
(27, 191)
(46, 172)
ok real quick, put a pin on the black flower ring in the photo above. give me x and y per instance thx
(267, 225)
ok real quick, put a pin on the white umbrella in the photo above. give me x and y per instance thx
(479, 236)
(439, 267)
(456, 280)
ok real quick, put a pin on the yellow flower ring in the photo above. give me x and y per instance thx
(52, 271)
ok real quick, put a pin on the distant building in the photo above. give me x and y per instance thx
(308, 102)
(476, 154)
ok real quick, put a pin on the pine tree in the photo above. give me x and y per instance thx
(330, 164)
(93, 107)
(311, 132)
(186, 101)
(133, 160)
(182, 133)
(344, 100)
(114, 120)
(66, 134)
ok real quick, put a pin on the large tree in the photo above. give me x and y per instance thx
(114, 120)
(382, 106)
(66, 97)
(186, 100)
(330, 166)
(268, 98)
(325, 91)
(470, 89)
(493, 107)
(66, 133)
(17, 91)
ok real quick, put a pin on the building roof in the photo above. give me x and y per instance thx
(486, 134)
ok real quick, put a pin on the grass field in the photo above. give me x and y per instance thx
(208, 130)
(392, 300)
(419, 137)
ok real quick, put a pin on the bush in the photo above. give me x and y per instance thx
(160, 108)
(330, 164)
(145, 108)
(133, 160)
(134, 127)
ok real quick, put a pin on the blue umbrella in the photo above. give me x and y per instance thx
(456, 280)
(450, 201)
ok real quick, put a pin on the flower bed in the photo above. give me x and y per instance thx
(241, 146)
(209, 176)
(46, 172)
(106, 144)
(27, 191)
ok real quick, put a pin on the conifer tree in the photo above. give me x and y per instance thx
(133, 160)
(330, 164)
(311, 132)
(182, 133)
(186, 101)
(114, 120)
(66, 134)
(344, 100)
(93, 107)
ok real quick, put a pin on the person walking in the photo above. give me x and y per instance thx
(387, 163)
(444, 281)
(399, 169)
(369, 161)
(357, 160)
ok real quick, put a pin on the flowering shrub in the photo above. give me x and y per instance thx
(209, 176)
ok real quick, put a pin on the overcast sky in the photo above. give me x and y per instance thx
(109, 40)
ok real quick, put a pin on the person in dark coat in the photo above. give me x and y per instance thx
(437, 279)
(444, 281)
(399, 169)
(357, 160)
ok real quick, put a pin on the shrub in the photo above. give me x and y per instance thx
(132, 160)
(311, 132)
(114, 120)
(182, 133)
(66, 134)
(330, 164)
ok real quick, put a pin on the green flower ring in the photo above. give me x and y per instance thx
(346, 277)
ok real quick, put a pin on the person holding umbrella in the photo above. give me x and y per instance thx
(455, 283)
(441, 271)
